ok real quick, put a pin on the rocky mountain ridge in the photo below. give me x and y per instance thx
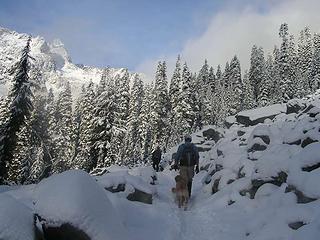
(51, 59)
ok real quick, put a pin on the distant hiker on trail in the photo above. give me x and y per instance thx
(156, 158)
(188, 158)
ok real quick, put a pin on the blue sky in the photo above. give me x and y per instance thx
(138, 33)
(117, 33)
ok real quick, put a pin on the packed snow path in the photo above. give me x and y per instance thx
(198, 222)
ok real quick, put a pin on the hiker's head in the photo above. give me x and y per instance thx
(187, 138)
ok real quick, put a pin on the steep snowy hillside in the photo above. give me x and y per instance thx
(259, 180)
(51, 59)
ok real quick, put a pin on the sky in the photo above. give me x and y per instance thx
(137, 34)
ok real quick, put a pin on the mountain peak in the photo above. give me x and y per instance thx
(57, 47)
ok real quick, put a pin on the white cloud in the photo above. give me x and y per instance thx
(234, 29)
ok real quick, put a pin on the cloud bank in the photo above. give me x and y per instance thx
(236, 28)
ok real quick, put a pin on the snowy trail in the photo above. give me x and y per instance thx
(196, 222)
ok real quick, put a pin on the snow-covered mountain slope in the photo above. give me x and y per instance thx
(51, 59)
(259, 180)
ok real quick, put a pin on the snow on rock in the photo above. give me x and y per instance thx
(75, 198)
(134, 188)
(230, 121)
(16, 220)
(259, 115)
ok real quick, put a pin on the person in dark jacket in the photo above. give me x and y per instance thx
(187, 158)
(156, 158)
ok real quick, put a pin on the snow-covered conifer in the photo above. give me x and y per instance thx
(19, 109)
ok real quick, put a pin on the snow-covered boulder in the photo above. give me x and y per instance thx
(134, 188)
(229, 121)
(295, 105)
(16, 219)
(212, 133)
(259, 115)
(73, 201)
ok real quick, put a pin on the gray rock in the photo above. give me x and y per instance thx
(63, 232)
(246, 121)
(297, 142)
(311, 168)
(296, 225)
(265, 138)
(257, 183)
(257, 147)
(140, 196)
(212, 134)
(301, 198)
(307, 141)
(240, 133)
(215, 187)
(294, 106)
(240, 173)
(219, 152)
(230, 181)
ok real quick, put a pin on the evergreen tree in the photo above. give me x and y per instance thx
(4, 102)
(122, 95)
(235, 86)
(146, 126)
(63, 131)
(212, 80)
(264, 97)
(159, 107)
(195, 96)
(185, 115)
(304, 59)
(103, 126)
(174, 92)
(203, 98)
(218, 73)
(293, 83)
(276, 92)
(257, 71)
(85, 159)
(175, 86)
(284, 61)
(226, 93)
(32, 158)
(19, 109)
(134, 139)
(248, 97)
(103, 81)
(210, 94)
(77, 119)
(315, 66)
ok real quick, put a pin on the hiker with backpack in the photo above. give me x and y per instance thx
(187, 159)
(156, 158)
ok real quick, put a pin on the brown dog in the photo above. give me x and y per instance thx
(181, 191)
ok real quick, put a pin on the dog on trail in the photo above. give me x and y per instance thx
(181, 192)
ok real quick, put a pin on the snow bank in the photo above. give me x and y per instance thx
(16, 220)
(74, 197)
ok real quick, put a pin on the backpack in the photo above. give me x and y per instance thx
(188, 157)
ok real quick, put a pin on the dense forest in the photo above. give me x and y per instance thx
(120, 122)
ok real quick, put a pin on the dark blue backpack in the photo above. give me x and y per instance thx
(188, 157)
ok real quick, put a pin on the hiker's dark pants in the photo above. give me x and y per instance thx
(155, 166)
(189, 187)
